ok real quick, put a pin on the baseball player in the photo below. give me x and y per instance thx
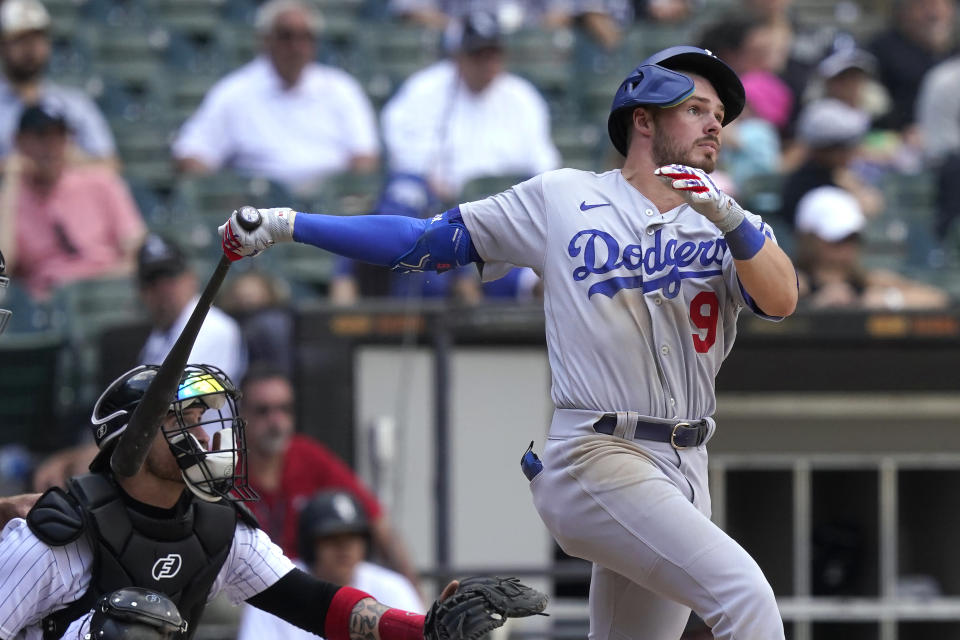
(645, 270)
(177, 527)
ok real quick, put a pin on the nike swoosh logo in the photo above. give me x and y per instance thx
(586, 207)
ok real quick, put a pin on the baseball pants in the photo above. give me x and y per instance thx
(640, 514)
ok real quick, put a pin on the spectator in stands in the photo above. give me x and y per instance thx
(283, 116)
(170, 290)
(462, 118)
(260, 304)
(334, 538)
(437, 14)
(938, 117)
(61, 222)
(921, 34)
(830, 274)
(286, 468)
(25, 52)
(466, 116)
(751, 143)
(830, 131)
(846, 75)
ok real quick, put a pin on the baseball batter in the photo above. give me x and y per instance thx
(645, 270)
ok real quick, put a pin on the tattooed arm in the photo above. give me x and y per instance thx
(338, 613)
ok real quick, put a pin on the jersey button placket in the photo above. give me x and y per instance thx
(664, 350)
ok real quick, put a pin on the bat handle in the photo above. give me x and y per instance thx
(249, 218)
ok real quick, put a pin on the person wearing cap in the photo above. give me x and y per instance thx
(24, 53)
(282, 116)
(334, 542)
(938, 118)
(63, 222)
(461, 118)
(830, 271)
(830, 132)
(169, 290)
(645, 271)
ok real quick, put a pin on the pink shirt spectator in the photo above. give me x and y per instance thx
(82, 229)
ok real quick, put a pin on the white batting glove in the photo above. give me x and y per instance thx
(702, 194)
(276, 226)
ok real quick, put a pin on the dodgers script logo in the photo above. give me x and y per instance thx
(601, 254)
(167, 566)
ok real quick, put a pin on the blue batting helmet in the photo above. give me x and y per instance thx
(658, 81)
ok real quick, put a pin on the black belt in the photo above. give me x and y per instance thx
(681, 434)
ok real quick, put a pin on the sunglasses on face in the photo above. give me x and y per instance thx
(266, 409)
(293, 35)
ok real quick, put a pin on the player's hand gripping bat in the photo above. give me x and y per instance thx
(136, 439)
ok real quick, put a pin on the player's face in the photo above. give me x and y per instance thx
(291, 44)
(160, 461)
(479, 68)
(267, 406)
(25, 55)
(689, 133)
(337, 556)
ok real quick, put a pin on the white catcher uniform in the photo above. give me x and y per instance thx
(39, 579)
(641, 310)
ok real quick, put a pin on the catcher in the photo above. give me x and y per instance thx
(178, 529)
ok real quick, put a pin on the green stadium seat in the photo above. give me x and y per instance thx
(30, 386)
(482, 187)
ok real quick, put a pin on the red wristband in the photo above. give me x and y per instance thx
(397, 624)
(337, 624)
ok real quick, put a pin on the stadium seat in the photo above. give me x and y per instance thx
(479, 188)
(30, 385)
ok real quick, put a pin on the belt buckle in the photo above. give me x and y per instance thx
(673, 435)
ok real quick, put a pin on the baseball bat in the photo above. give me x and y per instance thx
(136, 439)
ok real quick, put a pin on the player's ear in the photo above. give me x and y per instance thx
(643, 121)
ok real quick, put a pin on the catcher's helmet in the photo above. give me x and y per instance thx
(134, 613)
(4, 282)
(658, 81)
(219, 472)
(329, 513)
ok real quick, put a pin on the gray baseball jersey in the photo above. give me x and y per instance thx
(641, 310)
(640, 306)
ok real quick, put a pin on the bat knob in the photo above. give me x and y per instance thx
(248, 217)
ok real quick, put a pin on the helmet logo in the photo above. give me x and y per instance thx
(167, 567)
(152, 598)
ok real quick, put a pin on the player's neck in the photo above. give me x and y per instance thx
(151, 489)
(638, 171)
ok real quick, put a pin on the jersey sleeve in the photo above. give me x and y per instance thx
(253, 564)
(735, 288)
(36, 579)
(509, 228)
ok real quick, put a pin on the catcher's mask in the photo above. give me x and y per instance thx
(4, 283)
(210, 474)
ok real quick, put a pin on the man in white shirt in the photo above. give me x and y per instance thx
(282, 116)
(169, 291)
(334, 537)
(466, 116)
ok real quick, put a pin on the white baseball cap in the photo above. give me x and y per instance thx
(18, 16)
(830, 213)
(827, 122)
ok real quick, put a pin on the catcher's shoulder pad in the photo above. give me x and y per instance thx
(56, 518)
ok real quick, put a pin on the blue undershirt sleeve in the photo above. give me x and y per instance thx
(399, 242)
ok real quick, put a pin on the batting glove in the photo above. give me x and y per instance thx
(276, 226)
(702, 194)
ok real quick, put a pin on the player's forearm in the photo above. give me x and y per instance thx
(376, 239)
(770, 279)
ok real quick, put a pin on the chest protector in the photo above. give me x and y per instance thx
(179, 556)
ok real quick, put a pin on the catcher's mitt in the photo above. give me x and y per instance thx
(479, 605)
